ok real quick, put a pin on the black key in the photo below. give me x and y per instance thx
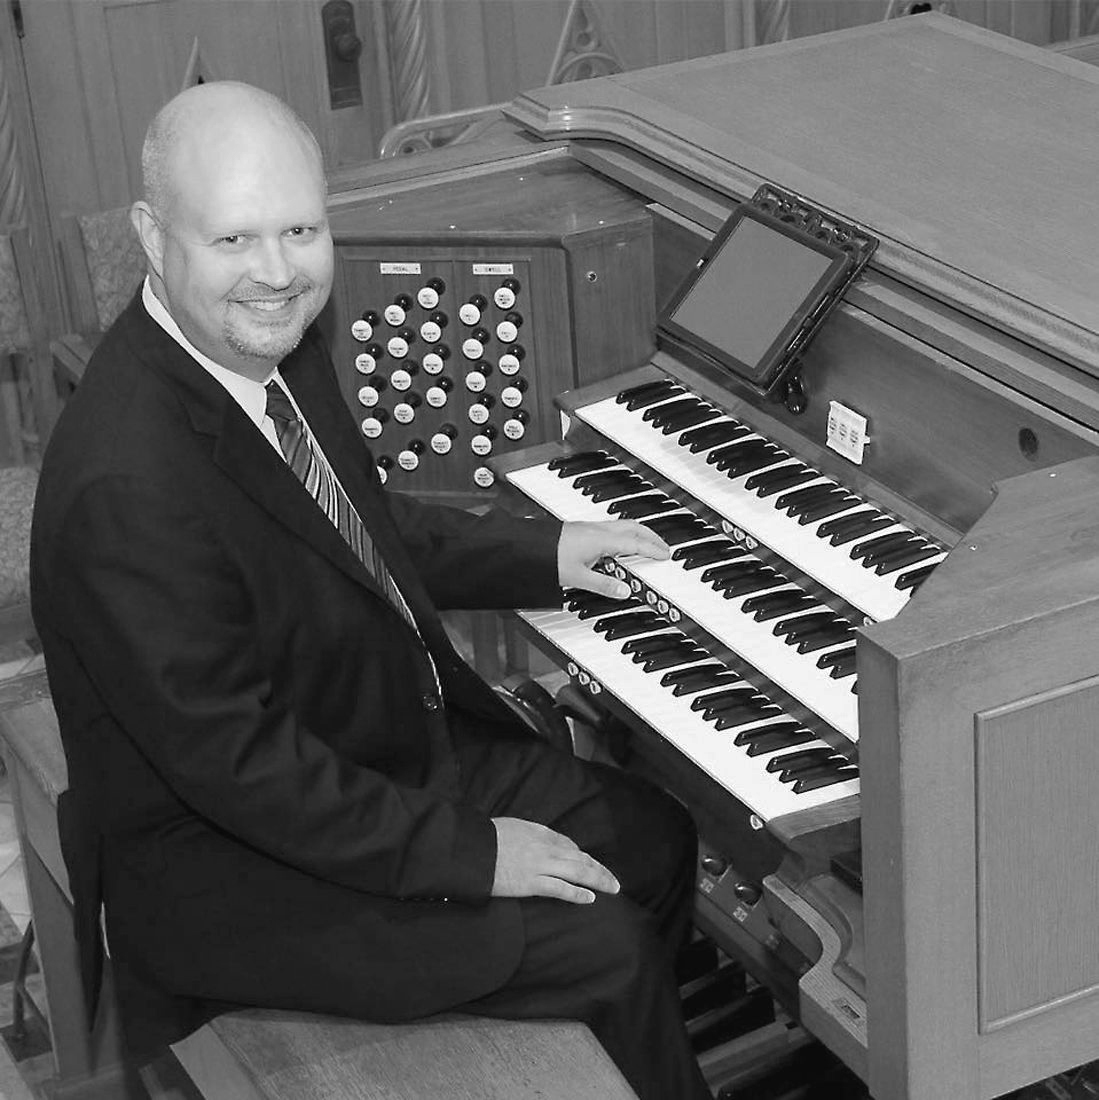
(774, 604)
(767, 612)
(844, 667)
(666, 660)
(700, 415)
(727, 572)
(695, 557)
(823, 639)
(837, 502)
(748, 700)
(733, 451)
(730, 569)
(638, 507)
(715, 668)
(796, 628)
(627, 630)
(754, 710)
(826, 779)
(677, 529)
(772, 487)
(657, 414)
(732, 590)
(872, 549)
(748, 461)
(673, 410)
(780, 735)
(646, 389)
(792, 775)
(641, 401)
(747, 465)
(598, 478)
(781, 477)
(674, 645)
(567, 465)
(909, 556)
(711, 435)
(731, 695)
(632, 622)
(652, 644)
(732, 719)
(841, 524)
(844, 529)
(915, 577)
(689, 680)
(830, 660)
(794, 499)
(613, 492)
(602, 605)
(803, 758)
(580, 595)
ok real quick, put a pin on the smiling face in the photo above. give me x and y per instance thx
(240, 252)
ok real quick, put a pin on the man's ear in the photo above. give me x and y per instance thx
(151, 235)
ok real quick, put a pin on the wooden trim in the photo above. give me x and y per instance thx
(611, 109)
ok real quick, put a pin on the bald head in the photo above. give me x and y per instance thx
(207, 120)
(234, 224)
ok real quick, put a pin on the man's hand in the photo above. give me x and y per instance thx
(583, 545)
(534, 861)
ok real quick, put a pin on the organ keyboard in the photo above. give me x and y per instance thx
(729, 592)
(870, 673)
(771, 762)
(805, 517)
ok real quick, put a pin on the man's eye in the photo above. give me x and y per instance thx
(231, 240)
(302, 231)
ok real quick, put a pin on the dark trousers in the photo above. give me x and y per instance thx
(608, 963)
(261, 933)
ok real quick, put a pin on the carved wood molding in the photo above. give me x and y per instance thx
(407, 40)
(583, 50)
(198, 70)
(13, 196)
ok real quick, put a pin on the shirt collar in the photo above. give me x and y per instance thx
(250, 396)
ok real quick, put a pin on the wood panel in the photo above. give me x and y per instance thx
(1011, 615)
(99, 69)
(261, 1055)
(1037, 889)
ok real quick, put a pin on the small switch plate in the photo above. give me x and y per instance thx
(846, 431)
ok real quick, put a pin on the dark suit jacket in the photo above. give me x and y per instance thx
(221, 662)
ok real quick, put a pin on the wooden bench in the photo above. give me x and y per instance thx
(267, 1055)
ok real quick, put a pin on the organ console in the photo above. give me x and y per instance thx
(869, 665)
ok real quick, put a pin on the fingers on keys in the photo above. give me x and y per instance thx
(635, 538)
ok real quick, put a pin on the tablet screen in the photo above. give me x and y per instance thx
(755, 288)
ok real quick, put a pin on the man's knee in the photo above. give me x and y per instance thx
(657, 833)
(608, 947)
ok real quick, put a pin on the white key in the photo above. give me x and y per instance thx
(795, 673)
(671, 716)
(876, 596)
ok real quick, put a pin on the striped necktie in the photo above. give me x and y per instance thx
(305, 458)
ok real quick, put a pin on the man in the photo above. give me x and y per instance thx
(284, 785)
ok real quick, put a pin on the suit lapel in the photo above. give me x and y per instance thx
(240, 450)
